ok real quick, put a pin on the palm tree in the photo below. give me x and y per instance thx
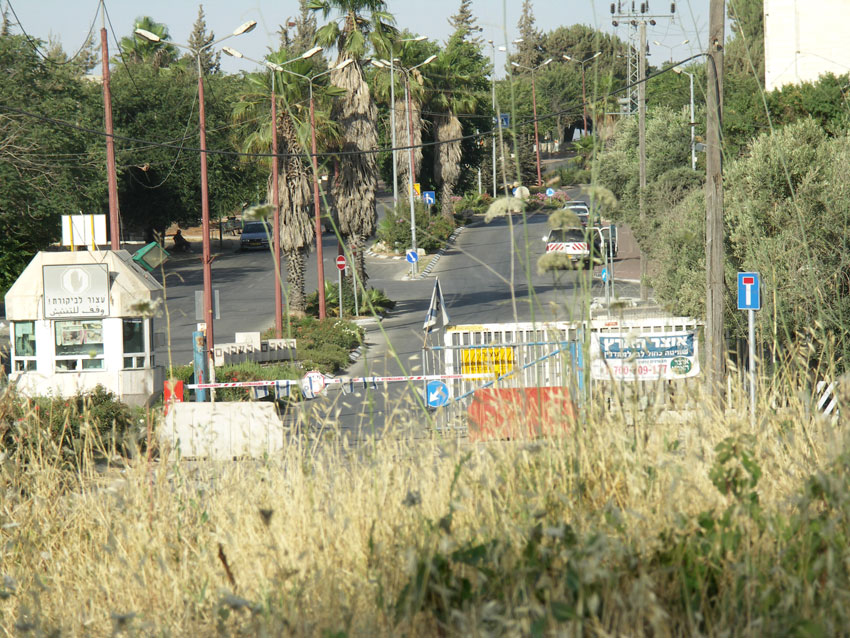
(136, 49)
(297, 231)
(409, 54)
(457, 74)
(361, 22)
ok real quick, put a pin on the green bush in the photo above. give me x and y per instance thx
(61, 423)
(372, 300)
(432, 230)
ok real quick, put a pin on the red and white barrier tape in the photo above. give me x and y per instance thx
(336, 381)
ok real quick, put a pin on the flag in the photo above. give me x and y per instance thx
(437, 306)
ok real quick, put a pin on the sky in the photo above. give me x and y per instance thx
(69, 20)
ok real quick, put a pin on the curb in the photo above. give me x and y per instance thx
(436, 257)
(355, 354)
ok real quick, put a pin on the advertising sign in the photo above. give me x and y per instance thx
(79, 290)
(670, 355)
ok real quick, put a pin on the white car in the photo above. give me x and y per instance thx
(576, 242)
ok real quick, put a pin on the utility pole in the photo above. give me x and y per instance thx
(644, 289)
(111, 178)
(639, 20)
(714, 254)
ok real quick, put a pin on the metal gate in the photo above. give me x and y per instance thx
(514, 355)
(528, 355)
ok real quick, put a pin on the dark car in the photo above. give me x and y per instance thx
(255, 235)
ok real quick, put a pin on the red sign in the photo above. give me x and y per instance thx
(340, 262)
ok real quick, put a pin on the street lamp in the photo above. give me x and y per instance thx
(320, 263)
(691, 124)
(392, 115)
(278, 300)
(534, 106)
(391, 64)
(493, 92)
(583, 95)
(205, 196)
(667, 46)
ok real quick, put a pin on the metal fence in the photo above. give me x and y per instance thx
(526, 355)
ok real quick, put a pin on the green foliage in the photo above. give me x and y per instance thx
(160, 185)
(372, 300)
(325, 344)
(432, 230)
(60, 425)
(35, 191)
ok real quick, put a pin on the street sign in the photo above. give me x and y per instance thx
(417, 189)
(748, 291)
(496, 360)
(436, 394)
(340, 262)
(312, 384)
(505, 120)
(550, 192)
(604, 274)
(429, 197)
(412, 256)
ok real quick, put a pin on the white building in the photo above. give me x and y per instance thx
(80, 319)
(803, 39)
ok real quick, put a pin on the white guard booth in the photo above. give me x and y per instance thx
(82, 319)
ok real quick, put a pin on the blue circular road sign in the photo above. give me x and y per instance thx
(436, 394)
(550, 192)
(412, 256)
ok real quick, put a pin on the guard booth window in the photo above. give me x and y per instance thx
(134, 343)
(79, 345)
(24, 355)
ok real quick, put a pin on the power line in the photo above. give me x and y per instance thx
(480, 135)
(46, 57)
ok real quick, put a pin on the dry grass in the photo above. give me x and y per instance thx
(597, 533)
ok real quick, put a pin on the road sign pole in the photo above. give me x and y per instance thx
(752, 329)
(354, 281)
(339, 288)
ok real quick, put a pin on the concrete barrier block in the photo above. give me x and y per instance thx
(223, 430)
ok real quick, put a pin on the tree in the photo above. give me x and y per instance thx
(362, 22)
(159, 183)
(46, 169)
(198, 39)
(530, 48)
(408, 54)
(295, 193)
(305, 29)
(464, 22)
(460, 87)
(139, 50)
(745, 50)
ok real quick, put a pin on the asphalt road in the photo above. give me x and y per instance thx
(483, 281)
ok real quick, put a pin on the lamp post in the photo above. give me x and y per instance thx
(493, 92)
(320, 263)
(670, 48)
(205, 196)
(534, 107)
(410, 178)
(583, 95)
(691, 124)
(278, 296)
(392, 115)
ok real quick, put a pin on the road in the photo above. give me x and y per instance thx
(478, 285)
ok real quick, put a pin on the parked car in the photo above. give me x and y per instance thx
(255, 235)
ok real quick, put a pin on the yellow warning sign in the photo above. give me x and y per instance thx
(417, 189)
(495, 361)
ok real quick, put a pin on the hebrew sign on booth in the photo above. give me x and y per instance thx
(646, 357)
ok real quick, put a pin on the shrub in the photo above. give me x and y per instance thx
(29, 423)
(431, 230)
(370, 300)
